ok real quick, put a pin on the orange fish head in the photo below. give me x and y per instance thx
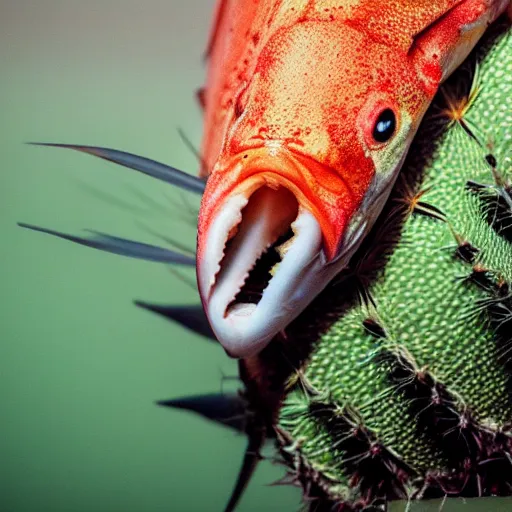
(270, 222)
(305, 170)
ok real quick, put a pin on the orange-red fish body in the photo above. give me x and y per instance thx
(320, 99)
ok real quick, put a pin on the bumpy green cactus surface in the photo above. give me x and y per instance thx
(397, 378)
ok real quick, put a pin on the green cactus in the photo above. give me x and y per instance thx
(395, 382)
(397, 379)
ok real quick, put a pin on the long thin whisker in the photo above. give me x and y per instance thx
(121, 246)
(144, 165)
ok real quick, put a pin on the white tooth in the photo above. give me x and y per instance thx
(247, 328)
(229, 216)
(267, 216)
(297, 258)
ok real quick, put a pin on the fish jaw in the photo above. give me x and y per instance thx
(265, 211)
(244, 328)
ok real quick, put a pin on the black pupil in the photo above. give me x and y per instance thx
(385, 126)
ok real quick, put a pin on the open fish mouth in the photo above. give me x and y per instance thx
(258, 255)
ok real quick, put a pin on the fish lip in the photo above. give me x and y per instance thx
(251, 183)
(245, 329)
(317, 185)
(233, 336)
(235, 179)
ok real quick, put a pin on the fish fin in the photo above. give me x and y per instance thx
(191, 317)
(144, 165)
(121, 246)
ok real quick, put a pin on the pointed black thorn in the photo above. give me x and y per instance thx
(227, 409)
(429, 210)
(191, 317)
(121, 246)
(374, 328)
(491, 160)
(468, 130)
(144, 165)
(250, 461)
(466, 252)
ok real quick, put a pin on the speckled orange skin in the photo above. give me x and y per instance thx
(294, 88)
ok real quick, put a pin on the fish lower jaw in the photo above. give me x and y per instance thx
(256, 277)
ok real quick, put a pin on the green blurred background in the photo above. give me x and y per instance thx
(80, 366)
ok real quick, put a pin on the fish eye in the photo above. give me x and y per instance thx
(384, 126)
